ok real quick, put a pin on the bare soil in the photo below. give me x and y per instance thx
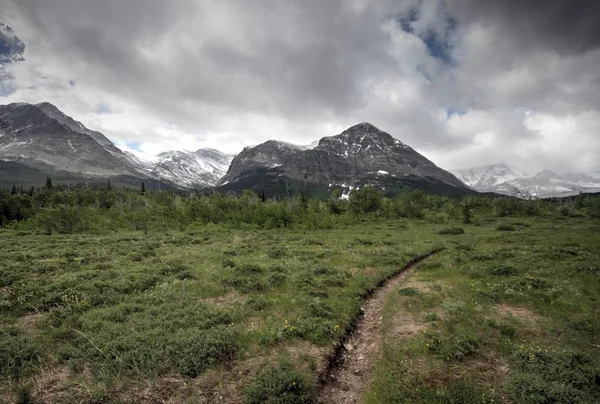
(351, 371)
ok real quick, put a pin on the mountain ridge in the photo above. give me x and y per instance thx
(361, 155)
(503, 179)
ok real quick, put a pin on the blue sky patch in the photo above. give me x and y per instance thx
(455, 111)
(102, 109)
(405, 20)
(438, 43)
(133, 146)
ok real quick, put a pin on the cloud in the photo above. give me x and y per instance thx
(11, 47)
(229, 73)
(11, 52)
(561, 26)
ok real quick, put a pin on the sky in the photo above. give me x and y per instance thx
(465, 82)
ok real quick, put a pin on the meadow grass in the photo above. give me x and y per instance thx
(499, 316)
(213, 311)
(118, 312)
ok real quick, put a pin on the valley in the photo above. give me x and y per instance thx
(37, 141)
(121, 297)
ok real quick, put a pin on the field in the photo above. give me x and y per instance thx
(507, 311)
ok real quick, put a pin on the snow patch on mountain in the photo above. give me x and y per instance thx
(504, 179)
(199, 169)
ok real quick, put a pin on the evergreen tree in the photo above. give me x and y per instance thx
(48, 183)
(109, 185)
(466, 210)
(13, 191)
(143, 188)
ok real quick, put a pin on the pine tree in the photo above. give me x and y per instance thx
(13, 191)
(143, 188)
(48, 183)
(109, 185)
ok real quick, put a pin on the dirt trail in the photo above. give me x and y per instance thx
(351, 369)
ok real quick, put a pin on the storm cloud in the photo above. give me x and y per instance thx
(464, 82)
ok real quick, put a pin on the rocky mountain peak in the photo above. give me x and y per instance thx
(270, 154)
(361, 138)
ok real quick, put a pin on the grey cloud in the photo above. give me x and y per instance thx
(11, 47)
(202, 65)
(565, 26)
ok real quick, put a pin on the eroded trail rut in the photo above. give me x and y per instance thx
(351, 369)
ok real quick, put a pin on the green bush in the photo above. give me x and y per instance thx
(194, 351)
(451, 230)
(457, 347)
(504, 270)
(408, 292)
(544, 376)
(280, 385)
(505, 227)
(19, 353)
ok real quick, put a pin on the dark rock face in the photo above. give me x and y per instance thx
(42, 139)
(41, 136)
(268, 155)
(361, 155)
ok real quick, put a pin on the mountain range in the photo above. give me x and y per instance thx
(503, 179)
(39, 140)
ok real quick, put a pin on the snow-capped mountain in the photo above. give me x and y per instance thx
(200, 169)
(503, 179)
(269, 154)
(488, 178)
(361, 155)
(42, 138)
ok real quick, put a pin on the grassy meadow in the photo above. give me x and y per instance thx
(509, 312)
(146, 304)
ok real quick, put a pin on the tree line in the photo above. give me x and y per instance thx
(53, 209)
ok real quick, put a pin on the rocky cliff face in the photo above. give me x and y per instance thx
(361, 155)
(41, 136)
(37, 140)
(358, 155)
(265, 156)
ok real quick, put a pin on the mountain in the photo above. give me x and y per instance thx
(506, 180)
(361, 155)
(200, 169)
(492, 178)
(256, 160)
(40, 140)
(39, 137)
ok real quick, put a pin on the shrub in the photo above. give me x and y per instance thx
(451, 230)
(280, 385)
(19, 354)
(194, 351)
(504, 270)
(366, 200)
(544, 376)
(457, 347)
(320, 309)
(430, 317)
(277, 253)
(408, 292)
(505, 227)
